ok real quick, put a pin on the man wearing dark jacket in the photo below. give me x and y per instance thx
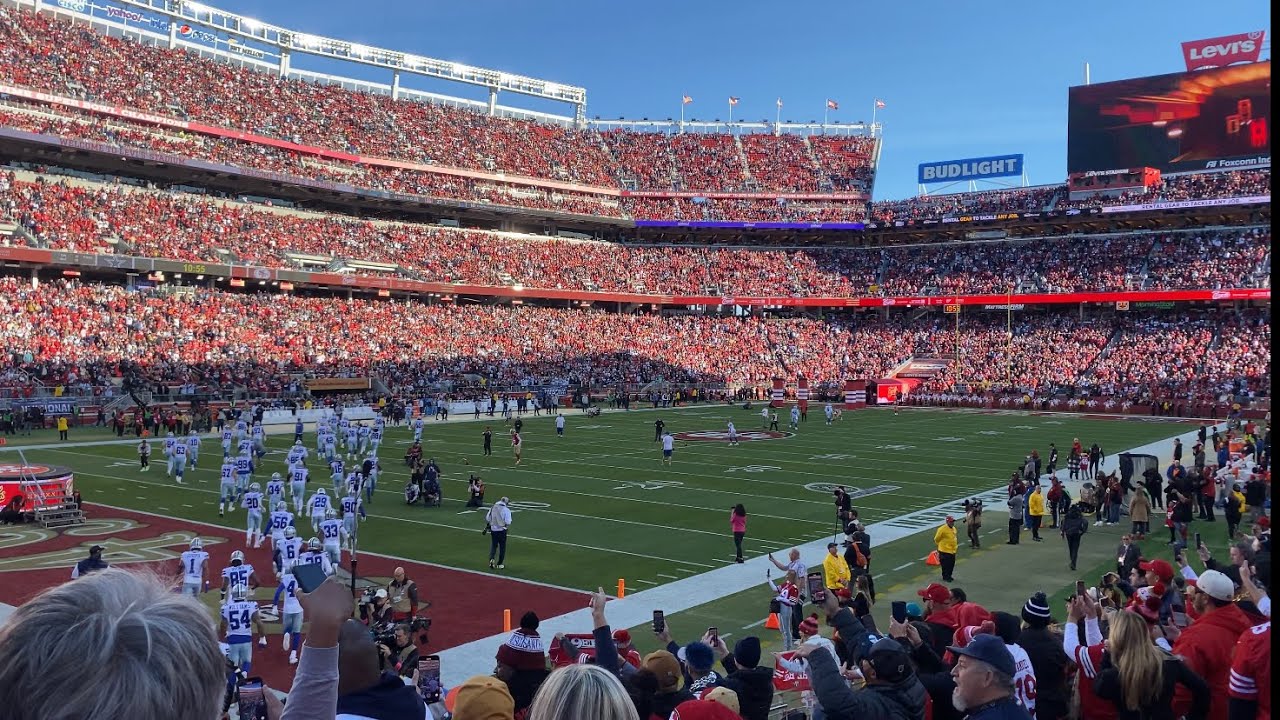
(1049, 661)
(752, 683)
(892, 691)
(363, 692)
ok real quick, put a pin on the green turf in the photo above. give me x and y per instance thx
(603, 507)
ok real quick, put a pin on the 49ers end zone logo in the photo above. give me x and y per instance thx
(723, 435)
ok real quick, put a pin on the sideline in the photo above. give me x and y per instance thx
(477, 657)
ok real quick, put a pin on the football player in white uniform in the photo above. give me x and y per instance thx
(178, 461)
(195, 562)
(239, 621)
(238, 573)
(275, 490)
(193, 449)
(227, 436)
(226, 485)
(318, 503)
(314, 555)
(289, 550)
(259, 435)
(290, 615)
(333, 535)
(298, 487)
(280, 519)
(352, 509)
(254, 503)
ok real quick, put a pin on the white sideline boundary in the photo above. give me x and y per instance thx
(477, 657)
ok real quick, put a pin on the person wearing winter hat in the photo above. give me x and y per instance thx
(752, 684)
(482, 697)
(1049, 661)
(522, 661)
(626, 651)
(666, 668)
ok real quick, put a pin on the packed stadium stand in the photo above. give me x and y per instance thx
(67, 332)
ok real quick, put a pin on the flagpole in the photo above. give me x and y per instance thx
(731, 116)
(682, 104)
(873, 116)
(777, 123)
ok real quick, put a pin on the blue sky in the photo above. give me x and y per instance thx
(959, 79)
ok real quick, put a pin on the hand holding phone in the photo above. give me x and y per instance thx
(713, 634)
(251, 699)
(1199, 542)
(899, 611)
(429, 678)
(1080, 588)
(659, 622)
(309, 576)
(817, 589)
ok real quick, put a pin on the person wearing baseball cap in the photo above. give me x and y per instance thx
(93, 563)
(1160, 571)
(983, 675)
(666, 668)
(1208, 643)
(627, 651)
(481, 698)
(892, 689)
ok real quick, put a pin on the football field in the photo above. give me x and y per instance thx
(598, 504)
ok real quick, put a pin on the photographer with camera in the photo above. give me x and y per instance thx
(375, 608)
(396, 651)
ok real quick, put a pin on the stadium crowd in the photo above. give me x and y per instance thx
(97, 217)
(51, 55)
(66, 332)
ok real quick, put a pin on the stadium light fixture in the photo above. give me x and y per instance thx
(1175, 132)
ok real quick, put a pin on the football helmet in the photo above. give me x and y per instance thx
(313, 544)
(237, 558)
(291, 532)
(197, 544)
(239, 592)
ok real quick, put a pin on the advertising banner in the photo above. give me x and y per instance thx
(983, 168)
(583, 644)
(1225, 50)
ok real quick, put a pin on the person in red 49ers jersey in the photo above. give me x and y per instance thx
(1087, 656)
(1250, 685)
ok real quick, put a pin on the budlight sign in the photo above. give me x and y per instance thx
(983, 168)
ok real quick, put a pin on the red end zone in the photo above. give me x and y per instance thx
(465, 606)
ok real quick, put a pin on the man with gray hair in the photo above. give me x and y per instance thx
(983, 674)
(496, 523)
(112, 644)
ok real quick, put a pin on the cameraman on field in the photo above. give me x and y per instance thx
(397, 653)
(377, 610)
(403, 596)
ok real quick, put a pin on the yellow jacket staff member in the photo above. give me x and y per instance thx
(1035, 506)
(835, 571)
(945, 539)
(62, 427)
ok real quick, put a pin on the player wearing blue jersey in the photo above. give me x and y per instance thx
(253, 503)
(226, 486)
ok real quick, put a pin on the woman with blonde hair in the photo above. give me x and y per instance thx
(582, 691)
(1139, 678)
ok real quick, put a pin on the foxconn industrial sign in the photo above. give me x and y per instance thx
(1225, 50)
(970, 169)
